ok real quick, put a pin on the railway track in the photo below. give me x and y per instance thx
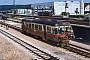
(17, 21)
(11, 26)
(71, 47)
(37, 52)
(79, 50)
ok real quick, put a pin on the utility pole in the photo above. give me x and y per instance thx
(89, 14)
(14, 2)
(81, 7)
(14, 6)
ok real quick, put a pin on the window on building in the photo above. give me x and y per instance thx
(66, 5)
(76, 11)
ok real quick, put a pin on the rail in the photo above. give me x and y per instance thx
(40, 54)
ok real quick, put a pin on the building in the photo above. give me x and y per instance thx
(86, 8)
(18, 8)
(48, 8)
(24, 11)
(10, 7)
(73, 7)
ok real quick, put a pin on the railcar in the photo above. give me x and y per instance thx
(47, 30)
(4, 17)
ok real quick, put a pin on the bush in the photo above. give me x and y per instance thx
(77, 16)
(65, 13)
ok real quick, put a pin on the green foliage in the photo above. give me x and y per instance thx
(12, 16)
(77, 16)
(87, 17)
(65, 13)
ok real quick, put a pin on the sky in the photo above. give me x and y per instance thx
(24, 2)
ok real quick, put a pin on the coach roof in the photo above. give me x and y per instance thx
(48, 22)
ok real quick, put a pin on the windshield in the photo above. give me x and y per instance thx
(61, 30)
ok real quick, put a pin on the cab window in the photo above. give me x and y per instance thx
(56, 31)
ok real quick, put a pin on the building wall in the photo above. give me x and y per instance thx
(72, 6)
(42, 7)
(59, 7)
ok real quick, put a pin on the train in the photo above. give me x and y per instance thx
(46, 13)
(81, 32)
(3, 17)
(56, 31)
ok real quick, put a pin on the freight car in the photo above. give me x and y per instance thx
(47, 30)
(81, 32)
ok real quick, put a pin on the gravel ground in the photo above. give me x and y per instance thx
(8, 51)
(56, 51)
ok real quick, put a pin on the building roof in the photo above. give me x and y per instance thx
(86, 4)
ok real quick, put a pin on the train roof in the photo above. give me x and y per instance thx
(77, 25)
(48, 22)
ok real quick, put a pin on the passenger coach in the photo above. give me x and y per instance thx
(47, 30)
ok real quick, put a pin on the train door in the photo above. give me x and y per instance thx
(44, 26)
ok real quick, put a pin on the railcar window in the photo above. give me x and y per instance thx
(61, 30)
(36, 27)
(53, 31)
(32, 26)
(49, 29)
(24, 23)
(40, 27)
(68, 29)
(29, 25)
(56, 31)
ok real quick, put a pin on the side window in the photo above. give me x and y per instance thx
(27, 24)
(22, 22)
(36, 27)
(49, 29)
(53, 31)
(40, 27)
(32, 26)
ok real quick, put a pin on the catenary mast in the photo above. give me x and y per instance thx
(81, 7)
